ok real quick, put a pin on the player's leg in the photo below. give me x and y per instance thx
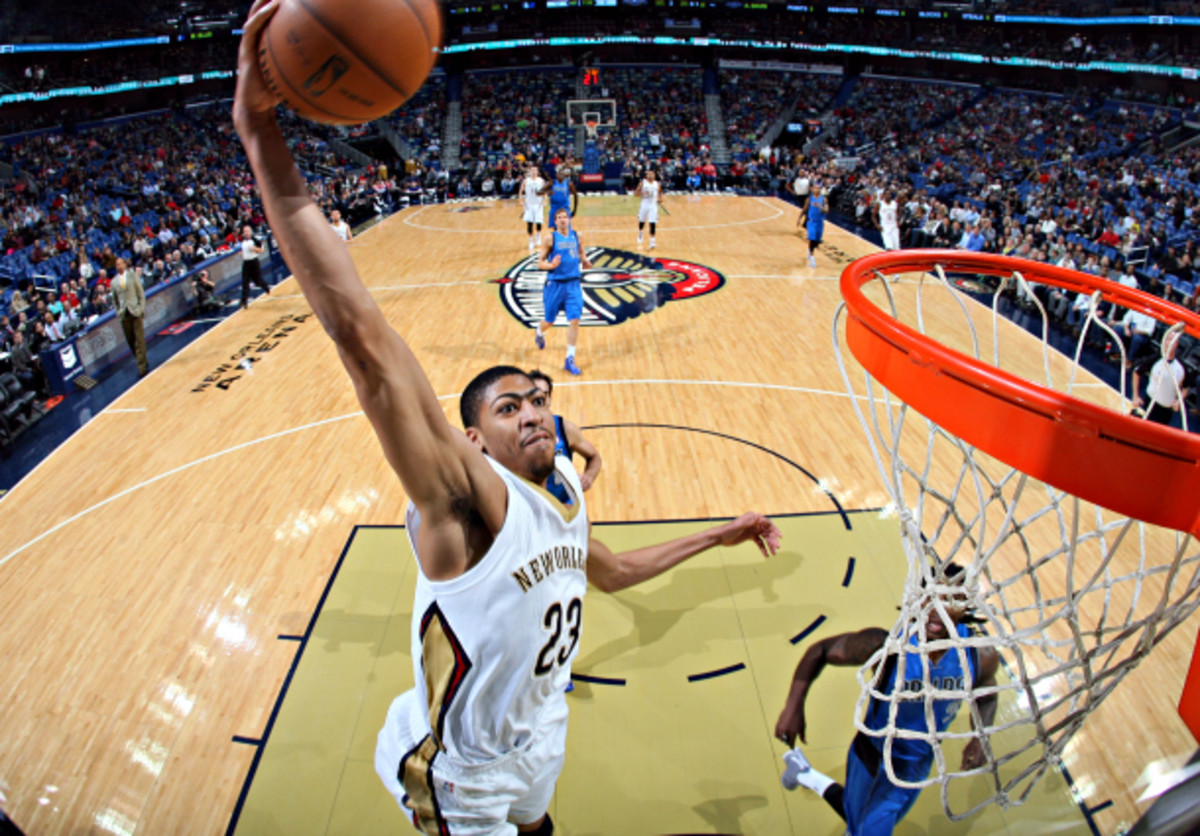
(872, 803)
(798, 772)
(541, 766)
(641, 222)
(573, 304)
(885, 806)
(435, 797)
(553, 300)
(653, 229)
(531, 217)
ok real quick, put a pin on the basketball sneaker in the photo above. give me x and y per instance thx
(794, 766)
(652, 244)
(812, 261)
(571, 367)
(539, 339)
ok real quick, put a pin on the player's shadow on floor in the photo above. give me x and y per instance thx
(657, 613)
(724, 811)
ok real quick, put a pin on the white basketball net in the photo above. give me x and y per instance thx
(1071, 595)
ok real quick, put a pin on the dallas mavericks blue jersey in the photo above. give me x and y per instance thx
(560, 197)
(816, 210)
(912, 759)
(567, 247)
(561, 448)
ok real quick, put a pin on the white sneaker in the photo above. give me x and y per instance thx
(812, 261)
(532, 246)
(794, 763)
(652, 244)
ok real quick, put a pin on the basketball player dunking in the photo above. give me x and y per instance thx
(651, 192)
(533, 192)
(477, 745)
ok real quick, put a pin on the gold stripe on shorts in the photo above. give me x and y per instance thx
(416, 775)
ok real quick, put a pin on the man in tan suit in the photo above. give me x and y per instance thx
(129, 301)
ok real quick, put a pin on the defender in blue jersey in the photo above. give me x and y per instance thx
(569, 441)
(869, 802)
(564, 260)
(562, 193)
(814, 221)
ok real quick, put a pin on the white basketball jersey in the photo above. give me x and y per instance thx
(887, 214)
(650, 191)
(492, 649)
(532, 189)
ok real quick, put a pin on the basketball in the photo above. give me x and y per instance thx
(344, 62)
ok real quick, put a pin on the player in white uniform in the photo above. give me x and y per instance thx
(533, 192)
(340, 226)
(477, 745)
(887, 220)
(651, 191)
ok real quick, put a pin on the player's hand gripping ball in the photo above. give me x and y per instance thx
(344, 62)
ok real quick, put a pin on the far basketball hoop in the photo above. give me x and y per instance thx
(591, 115)
(1076, 568)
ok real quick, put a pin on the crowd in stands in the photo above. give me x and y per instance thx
(421, 121)
(162, 193)
(752, 100)
(1073, 181)
(661, 111)
(884, 110)
(514, 114)
(513, 118)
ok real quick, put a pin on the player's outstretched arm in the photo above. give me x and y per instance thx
(591, 456)
(611, 572)
(843, 649)
(434, 462)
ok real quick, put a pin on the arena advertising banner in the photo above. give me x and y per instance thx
(779, 66)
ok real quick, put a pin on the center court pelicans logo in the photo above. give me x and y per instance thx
(621, 285)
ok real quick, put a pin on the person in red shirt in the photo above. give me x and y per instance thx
(1109, 238)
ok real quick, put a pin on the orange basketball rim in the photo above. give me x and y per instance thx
(1137, 468)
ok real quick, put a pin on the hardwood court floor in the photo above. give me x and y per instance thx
(150, 567)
